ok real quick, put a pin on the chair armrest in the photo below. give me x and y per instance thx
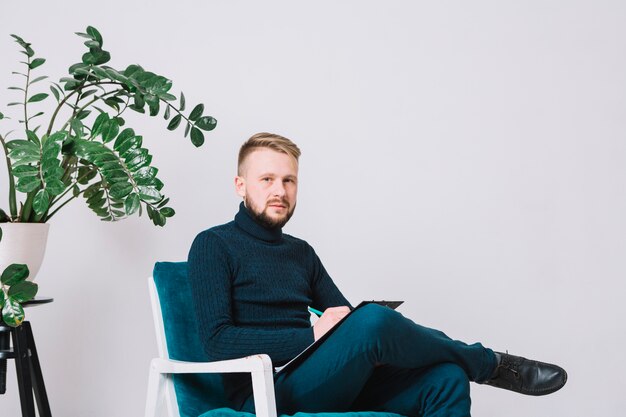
(254, 363)
(260, 366)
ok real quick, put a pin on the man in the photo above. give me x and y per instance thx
(253, 284)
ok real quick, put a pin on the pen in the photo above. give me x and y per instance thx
(316, 312)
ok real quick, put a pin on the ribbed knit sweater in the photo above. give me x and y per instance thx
(251, 290)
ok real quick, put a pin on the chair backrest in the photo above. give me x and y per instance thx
(178, 339)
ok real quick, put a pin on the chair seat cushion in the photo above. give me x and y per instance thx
(228, 412)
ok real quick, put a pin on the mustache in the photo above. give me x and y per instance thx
(278, 201)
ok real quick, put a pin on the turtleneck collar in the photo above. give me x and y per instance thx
(244, 220)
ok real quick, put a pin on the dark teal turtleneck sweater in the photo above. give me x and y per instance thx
(251, 289)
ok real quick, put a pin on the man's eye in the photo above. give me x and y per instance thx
(266, 179)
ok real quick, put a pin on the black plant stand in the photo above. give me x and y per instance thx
(29, 377)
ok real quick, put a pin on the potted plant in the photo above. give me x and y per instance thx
(82, 149)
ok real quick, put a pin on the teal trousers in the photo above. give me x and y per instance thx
(378, 360)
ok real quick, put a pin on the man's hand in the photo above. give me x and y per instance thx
(328, 320)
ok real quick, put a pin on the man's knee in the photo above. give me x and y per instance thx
(374, 319)
(449, 379)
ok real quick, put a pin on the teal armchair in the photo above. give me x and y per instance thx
(182, 382)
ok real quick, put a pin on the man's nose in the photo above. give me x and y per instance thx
(278, 189)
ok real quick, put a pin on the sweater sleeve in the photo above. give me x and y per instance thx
(211, 269)
(324, 291)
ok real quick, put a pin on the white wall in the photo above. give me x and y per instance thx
(468, 157)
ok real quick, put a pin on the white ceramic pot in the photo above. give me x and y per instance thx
(23, 243)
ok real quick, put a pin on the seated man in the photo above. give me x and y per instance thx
(252, 287)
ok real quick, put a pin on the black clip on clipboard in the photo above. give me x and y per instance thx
(313, 347)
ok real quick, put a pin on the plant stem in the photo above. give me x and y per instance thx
(62, 102)
(87, 105)
(26, 94)
(176, 110)
(12, 196)
(27, 208)
(61, 206)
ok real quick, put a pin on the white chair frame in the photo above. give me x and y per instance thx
(161, 394)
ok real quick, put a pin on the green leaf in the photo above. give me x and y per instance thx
(196, 112)
(12, 312)
(27, 184)
(149, 194)
(1, 116)
(25, 171)
(95, 35)
(14, 273)
(77, 126)
(21, 148)
(206, 123)
(154, 107)
(87, 93)
(197, 137)
(120, 190)
(16, 88)
(78, 70)
(92, 44)
(14, 104)
(187, 129)
(32, 136)
(163, 202)
(18, 39)
(41, 202)
(166, 115)
(132, 204)
(182, 101)
(35, 115)
(167, 97)
(55, 186)
(43, 77)
(23, 291)
(99, 72)
(55, 93)
(97, 124)
(174, 122)
(115, 75)
(110, 129)
(37, 97)
(37, 62)
(96, 56)
(83, 114)
(167, 211)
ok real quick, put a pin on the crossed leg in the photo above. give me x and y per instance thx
(364, 348)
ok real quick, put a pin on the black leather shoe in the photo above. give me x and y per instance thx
(527, 376)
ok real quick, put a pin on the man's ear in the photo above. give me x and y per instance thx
(240, 186)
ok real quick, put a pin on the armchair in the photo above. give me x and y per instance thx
(182, 382)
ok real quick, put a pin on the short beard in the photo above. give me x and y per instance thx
(266, 221)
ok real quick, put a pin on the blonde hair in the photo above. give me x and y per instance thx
(270, 141)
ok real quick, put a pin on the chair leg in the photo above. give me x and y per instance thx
(263, 391)
(5, 339)
(155, 399)
(39, 387)
(22, 367)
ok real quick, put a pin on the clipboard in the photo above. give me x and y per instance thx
(313, 346)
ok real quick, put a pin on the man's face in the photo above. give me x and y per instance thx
(269, 186)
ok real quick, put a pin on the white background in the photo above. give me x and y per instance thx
(468, 157)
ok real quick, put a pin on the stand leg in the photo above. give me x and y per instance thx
(5, 339)
(39, 387)
(20, 346)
